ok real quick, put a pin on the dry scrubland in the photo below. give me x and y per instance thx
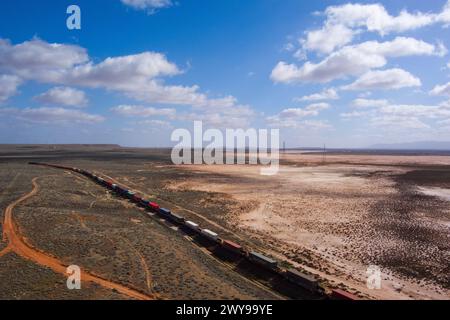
(80, 223)
(333, 219)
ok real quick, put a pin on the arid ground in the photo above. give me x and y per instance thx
(339, 215)
(333, 217)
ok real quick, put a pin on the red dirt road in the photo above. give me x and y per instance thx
(17, 244)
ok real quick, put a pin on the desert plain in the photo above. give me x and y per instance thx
(332, 215)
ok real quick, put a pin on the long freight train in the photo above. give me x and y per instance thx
(305, 281)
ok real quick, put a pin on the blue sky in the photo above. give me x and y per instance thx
(344, 73)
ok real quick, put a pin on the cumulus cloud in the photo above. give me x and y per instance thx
(353, 60)
(327, 94)
(441, 90)
(139, 76)
(51, 115)
(39, 60)
(343, 22)
(384, 80)
(8, 86)
(149, 5)
(327, 39)
(126, 73)
(63, 96)
(375, 18)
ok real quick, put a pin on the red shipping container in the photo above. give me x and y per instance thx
(153, 206)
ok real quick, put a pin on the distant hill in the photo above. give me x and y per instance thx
(418, 145)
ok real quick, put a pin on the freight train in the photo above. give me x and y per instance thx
(305, 281)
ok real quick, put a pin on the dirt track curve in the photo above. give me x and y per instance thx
(17, 244)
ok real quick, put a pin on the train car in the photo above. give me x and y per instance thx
(262, 260)
(232, 246)
(137, 199)
(177, 218)
(308, 282)
(145, 203)
(339, 294)
(153, 206)
(129, 194)
(164, 212)
(120, 190)
(209, 234)
(192, 225)
(108, 184)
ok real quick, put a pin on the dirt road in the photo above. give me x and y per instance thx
(17, 244)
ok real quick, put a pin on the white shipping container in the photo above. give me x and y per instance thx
(192, 225)
(211, 235)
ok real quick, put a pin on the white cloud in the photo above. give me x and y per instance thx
(39, 60)
(352, 60)
(51, 115)
(375, 18)
(444, 16)
(384, 80)
(445, 104)
(125, 73)
(343, 22)
(296, 113)
(354, 114)
(327, 39)
(369, 103)
(327, 94)
(318, 106)
(293, 117)
(149, 5)
(63, 96)
(441, 90)
(311, 110)
(138, 76)
(140, 111)
(8, 86)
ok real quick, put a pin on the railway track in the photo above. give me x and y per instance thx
(209, 254)
(257, 259)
